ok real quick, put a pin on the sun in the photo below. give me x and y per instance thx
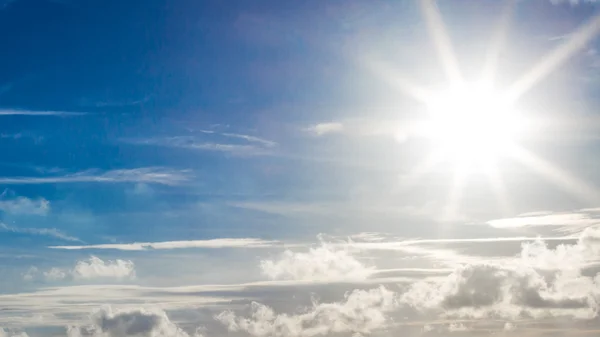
(472, 125)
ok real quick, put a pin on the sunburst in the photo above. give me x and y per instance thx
(474, 124)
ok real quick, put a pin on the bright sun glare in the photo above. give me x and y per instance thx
(472, 124)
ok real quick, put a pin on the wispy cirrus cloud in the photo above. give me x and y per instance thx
(321, 129)
(207, 244)
(251, 145)
(366, 127)
(52, 232)
(151, 175)
(575, 219)
(23, 112)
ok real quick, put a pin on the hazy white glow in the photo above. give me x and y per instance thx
(471, 124)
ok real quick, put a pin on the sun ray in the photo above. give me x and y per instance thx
(576, 41)
(498, 187)
(397, 80)
(441, 40)
(461, 171)
(498, 42)
(562, 179)
(424, 167)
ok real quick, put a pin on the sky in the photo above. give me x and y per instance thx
(299, 168)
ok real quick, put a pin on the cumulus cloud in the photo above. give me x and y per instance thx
(321, 263)
(90, 269)
(55, 274)
(508, 326)
(23, 205)
(133, 322)
(360, 312)
(457, 327)
(9, 333)
(541, 282)
(95, 267)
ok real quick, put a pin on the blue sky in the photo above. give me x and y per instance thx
(181, 159)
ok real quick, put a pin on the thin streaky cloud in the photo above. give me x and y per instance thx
(400, 244)
(153, 175)
(252, 139)
(325, 128)
(558, 56)
(207, 244)
(52, 232)
(192, 143)
(16, 112)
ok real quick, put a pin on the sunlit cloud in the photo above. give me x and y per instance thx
(325, 262)
(360, 312)
(206, 244)
(578, 219)
(326, 128)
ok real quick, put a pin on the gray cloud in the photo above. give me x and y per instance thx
(541, 282)
(132, 322)
(361, 312)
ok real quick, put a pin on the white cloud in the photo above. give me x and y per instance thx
(252, 139)
(320, 263)
(154, 175)
(250, 146)
(508, 326)
(457, 327)
(131, 322)
(208, 244)
(541, 282)
(9, 333)
(55, 274)
(326, 128)
(85, 270)
(8, 112)
(573, 2)
(580, 218)
(361, 312)
(23, 205)
(66, 305)
(95, 267)
(31, 273)
(53, 232)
